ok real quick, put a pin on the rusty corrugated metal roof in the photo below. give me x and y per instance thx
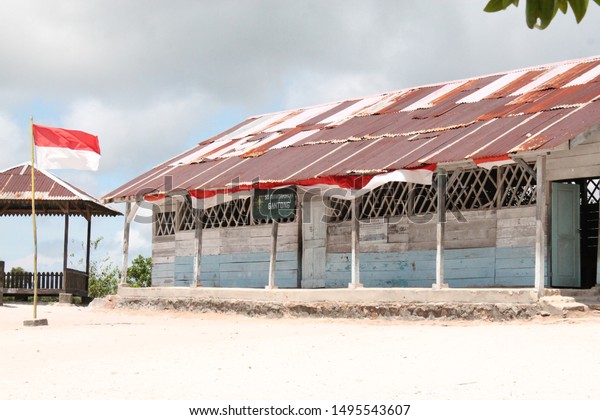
(482, 117)
(53, 196)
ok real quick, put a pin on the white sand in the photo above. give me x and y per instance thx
(88, 353)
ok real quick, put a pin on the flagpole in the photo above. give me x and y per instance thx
(35, 272)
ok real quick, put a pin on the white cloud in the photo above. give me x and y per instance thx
(154, 131)
(15, 149)
(45, 262)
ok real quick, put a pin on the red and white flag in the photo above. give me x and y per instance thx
(57, 148)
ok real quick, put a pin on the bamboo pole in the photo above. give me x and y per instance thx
(35, 273)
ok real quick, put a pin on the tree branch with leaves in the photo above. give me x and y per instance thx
(539, 13)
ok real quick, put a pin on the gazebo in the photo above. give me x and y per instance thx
(53, 197)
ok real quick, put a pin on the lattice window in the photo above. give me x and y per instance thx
(422, 199)
(472, 189)
(593, 190)
(164, 223)
(517, 187)
(339, 210)
(186, 219)
(387, 200)
(391, 199)
(229, 214)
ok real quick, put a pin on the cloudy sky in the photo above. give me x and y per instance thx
(152, 78)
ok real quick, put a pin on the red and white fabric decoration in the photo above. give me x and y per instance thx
(58, 148)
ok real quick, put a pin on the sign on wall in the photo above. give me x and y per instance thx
(274, 204)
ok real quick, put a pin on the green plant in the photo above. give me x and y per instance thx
(139, 274)
(104, 274)
(17, 270)
(539, 13)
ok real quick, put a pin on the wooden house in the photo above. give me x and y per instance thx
(492, 181)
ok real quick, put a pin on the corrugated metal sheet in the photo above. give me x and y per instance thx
(521, 110)
(52, 194)
(543, 78)
(587, 77)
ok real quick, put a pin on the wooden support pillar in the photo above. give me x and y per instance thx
(272, 264)
(1, 282)
(126, 244)
(197, 247)
(89, 240)
(300, 253)
(540, 226)
(66, 250)
(87, 252)
(442, 176)
(598, 253)
(355, 282)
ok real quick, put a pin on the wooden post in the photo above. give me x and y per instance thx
(355, 282)
(300, 253)
(274, 229)
(1, 282)
(197, 247)
(598, 253)
(125, 244)
(540, 226)
(441, 228)
(66, 251)
(88, 217)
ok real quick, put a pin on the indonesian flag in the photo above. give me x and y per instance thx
(57, 148)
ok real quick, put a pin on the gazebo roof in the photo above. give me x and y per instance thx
(53, 196)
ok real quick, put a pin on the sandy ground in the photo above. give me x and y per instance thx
(90, 353)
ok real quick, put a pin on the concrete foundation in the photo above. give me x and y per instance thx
(359, 295)
(393, 303)
(65, 298)
(35, 322)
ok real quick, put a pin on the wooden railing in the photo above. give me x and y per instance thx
(52, 281)
(77, 282)
(49, 283)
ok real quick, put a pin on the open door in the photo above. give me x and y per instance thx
(566, 257)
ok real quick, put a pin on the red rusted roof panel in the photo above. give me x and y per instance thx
(517, 84)
(568, 76)
(489, 116)
(52, 195)
(579, 121)
(520, 134)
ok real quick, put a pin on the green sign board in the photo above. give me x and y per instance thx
(275, 204)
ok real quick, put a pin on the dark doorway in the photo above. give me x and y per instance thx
(590, 194)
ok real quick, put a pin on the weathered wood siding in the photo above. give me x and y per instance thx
(492, 248)
(163, 260)
(582, 161)
(231, 257)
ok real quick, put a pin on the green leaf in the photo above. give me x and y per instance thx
(532, 13)
(496, 5)
(597, 2)
(579, 8)
(547, 12)
(563, 5)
